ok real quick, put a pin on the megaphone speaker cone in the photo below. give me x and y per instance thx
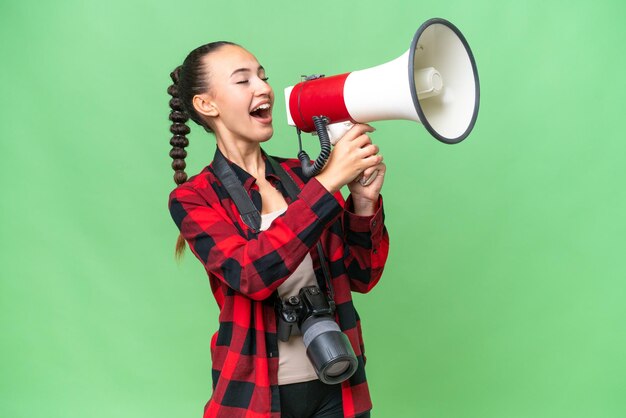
(451, 114)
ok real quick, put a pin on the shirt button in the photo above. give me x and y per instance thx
(374, 223)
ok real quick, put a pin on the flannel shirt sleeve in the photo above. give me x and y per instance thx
(368, 246)
(253, 267)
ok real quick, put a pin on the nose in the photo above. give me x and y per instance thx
(263, 87)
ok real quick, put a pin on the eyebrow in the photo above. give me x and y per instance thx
(245, 70)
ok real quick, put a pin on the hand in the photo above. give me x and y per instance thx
(365, 196)
(353, 154)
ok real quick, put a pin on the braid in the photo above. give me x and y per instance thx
(179, 141)
(188, 79)
(179, 118)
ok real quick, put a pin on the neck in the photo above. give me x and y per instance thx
(246, 155)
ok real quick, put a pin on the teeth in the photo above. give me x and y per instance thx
(263, 106)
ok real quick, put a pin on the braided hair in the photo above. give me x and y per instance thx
(188, 80)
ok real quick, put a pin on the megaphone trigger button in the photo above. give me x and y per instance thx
(367, 181)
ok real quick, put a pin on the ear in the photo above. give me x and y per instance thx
(204, 105)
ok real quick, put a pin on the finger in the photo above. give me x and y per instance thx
(371, 149)
(368, 163)
(378, 167)
(371, 160)
(364, 143)
(371, 174)
(359, 142)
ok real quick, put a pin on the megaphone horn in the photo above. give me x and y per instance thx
(435, 83)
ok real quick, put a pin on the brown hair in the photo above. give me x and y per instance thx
(188, 80)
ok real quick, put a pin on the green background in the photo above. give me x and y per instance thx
(504, 294)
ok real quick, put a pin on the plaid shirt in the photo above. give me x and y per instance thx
(246, 267)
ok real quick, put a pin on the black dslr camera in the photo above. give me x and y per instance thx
(327, 348)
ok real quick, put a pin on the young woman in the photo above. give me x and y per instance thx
(223, 88)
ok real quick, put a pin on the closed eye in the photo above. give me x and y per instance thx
(247, 81)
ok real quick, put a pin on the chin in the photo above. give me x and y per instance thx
(267, 135)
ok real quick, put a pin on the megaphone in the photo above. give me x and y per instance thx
(434, 83)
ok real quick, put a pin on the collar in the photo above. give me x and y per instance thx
(246, 179)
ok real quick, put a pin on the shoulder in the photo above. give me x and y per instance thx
(204, 184)
(199, 194)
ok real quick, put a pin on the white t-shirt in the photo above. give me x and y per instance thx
(293, 364)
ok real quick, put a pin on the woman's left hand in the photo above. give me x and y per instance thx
(365, 198)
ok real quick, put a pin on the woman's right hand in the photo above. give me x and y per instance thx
(352, 154)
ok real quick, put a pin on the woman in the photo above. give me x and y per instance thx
(223, 88)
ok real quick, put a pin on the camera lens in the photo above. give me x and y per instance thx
(328, 349)
(337, 369)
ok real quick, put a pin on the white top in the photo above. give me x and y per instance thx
(293, 364)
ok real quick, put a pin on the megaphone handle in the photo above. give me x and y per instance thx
(309, 170)
(336, 131)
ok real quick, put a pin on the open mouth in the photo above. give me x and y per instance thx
(262, 112)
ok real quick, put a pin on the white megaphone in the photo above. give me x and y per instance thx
(435, 83)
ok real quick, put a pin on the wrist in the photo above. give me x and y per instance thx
(363, 206)
(328, 183)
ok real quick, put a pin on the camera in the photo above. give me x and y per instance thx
(327, 348)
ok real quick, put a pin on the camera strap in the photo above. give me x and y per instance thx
(248, 212)
(250, 215)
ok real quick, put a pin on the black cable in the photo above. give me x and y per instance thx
(311, 170)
